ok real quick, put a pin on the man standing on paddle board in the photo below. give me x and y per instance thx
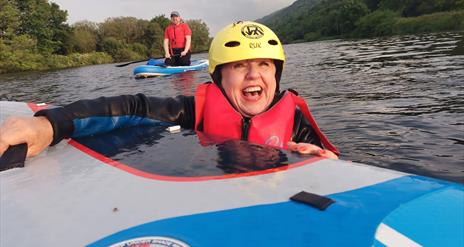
(177, 42)
(244, 102)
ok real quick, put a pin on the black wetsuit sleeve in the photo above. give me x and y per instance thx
(303, 132)
(87, 117)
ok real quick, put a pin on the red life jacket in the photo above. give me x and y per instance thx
(273, 127)
(176, 35)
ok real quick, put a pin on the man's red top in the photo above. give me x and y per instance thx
(176, 34)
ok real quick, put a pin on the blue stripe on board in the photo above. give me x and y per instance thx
(195, 65)
(108, 123)
(377, 243)
(155, 62)
(352, 220)
(439, 212)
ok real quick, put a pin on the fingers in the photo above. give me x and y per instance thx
(328, 154)
(7, 136)
(304, 148)
(292, 146)
(307, 148)
(41, 136)
(3, 147)
(37, 132)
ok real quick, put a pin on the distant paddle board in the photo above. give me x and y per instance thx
(158, 68)
(146, 186)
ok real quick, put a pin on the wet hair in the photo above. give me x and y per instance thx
(216, 76)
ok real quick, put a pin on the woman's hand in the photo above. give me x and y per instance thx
(306, 148)
(37, 132)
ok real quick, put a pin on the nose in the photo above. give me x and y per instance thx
(253, 71)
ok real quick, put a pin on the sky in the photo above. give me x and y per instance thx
(215, 13)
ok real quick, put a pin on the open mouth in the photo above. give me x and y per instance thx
(252, 91)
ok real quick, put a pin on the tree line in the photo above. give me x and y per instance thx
(34, 36)
(366, 18)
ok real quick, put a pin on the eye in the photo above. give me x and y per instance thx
(265, 63)
(239, 65)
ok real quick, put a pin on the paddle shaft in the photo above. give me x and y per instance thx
(125, 64)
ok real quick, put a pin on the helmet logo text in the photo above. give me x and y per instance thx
(252, 31)
(255, 45)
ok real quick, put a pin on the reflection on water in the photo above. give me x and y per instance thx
(393, 102)
(154, 150)
(184, 83)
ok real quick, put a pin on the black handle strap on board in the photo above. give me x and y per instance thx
(13, 157)
(313, 200)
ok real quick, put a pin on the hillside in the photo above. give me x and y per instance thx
(296, 8)
(307, 20)
(279, 20)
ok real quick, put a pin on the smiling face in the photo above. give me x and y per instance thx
(175, 19)
(250, 85)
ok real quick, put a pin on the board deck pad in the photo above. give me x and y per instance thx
(145, 186)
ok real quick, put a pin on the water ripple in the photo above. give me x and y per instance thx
(391, 102)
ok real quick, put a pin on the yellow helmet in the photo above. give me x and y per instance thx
(244, 40)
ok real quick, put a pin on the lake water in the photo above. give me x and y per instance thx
(395, 102)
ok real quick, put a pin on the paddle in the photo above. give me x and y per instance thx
(125, 64)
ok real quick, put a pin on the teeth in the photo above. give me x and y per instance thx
(252, 89)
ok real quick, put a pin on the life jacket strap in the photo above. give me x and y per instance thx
(306, 112)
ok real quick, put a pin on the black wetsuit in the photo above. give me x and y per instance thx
(87, 117)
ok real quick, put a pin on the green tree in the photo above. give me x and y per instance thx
(111, 45)
(394, 5)
(372, 4)
(84, 37)
(127, 29)
(34, 36)
(200, 35)
(153, 39)
(9, 19)
(350, 12)
(19, 54)
(460, 4)
(162, 21)
(44, 21)
(412, 8)
(378, 23)
(121, 51)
